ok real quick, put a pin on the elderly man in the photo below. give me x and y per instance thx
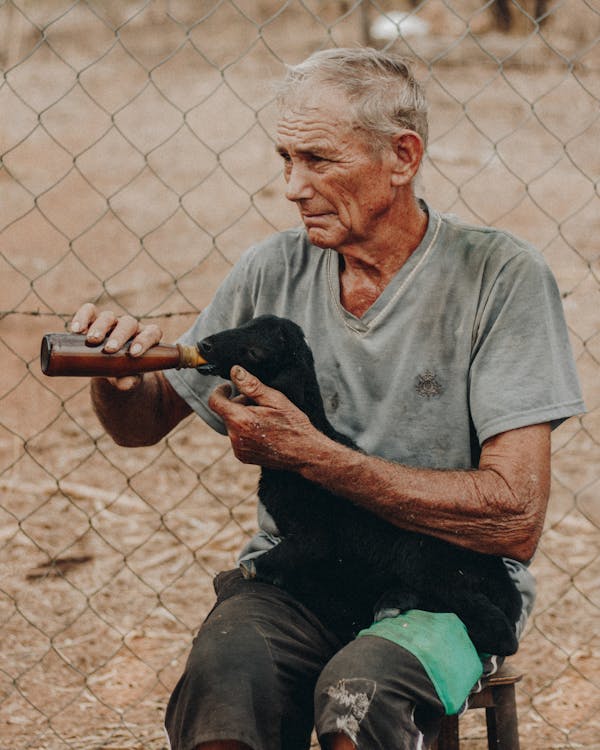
(441, 349)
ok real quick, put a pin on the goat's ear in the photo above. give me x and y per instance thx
(283, 332)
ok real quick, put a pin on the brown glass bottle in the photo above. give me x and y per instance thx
(69, 354)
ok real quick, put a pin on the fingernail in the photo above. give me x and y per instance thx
(135, 348)
(75, 327)
(239, 373)
(112, 345)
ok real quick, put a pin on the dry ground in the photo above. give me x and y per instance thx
(140, 190)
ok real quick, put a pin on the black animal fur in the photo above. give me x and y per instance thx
(337, 558)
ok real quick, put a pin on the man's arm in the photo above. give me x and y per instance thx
(498, 508)
(137, 409)
(140, 415)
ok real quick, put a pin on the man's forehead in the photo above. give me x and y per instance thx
(314, 123)
(325, 102)
(316, 95)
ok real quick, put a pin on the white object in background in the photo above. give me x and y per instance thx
(397, 23)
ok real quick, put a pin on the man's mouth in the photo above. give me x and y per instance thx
(316, 217)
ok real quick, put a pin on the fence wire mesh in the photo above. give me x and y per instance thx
(136, 165)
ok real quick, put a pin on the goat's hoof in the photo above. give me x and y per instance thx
(248, 569)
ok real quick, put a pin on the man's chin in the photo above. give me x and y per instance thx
(323, 238)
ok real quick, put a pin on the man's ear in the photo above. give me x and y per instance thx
(408, 151)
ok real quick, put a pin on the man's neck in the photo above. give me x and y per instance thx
(367, 268)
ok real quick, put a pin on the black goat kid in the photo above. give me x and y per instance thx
(340, 560)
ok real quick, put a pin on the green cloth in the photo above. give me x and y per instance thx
(440, 642)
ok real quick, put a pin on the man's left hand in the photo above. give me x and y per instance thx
(265, 427)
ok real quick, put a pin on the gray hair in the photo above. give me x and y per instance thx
(385, 96)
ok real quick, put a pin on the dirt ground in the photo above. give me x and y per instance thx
(135, 171)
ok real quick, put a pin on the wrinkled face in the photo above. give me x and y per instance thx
(263, 346)
(341, 186)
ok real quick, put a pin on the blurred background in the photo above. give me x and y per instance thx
(136, 164)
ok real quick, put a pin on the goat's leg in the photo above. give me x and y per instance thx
(284, 564)
(489, 628)
(399, 598)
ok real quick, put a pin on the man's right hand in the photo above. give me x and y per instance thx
(104, 325)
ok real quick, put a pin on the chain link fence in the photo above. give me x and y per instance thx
(136, 165)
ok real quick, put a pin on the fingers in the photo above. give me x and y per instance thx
(116, 331)
(241, 422)
(95, 324)
(128, 383)
(251, 392)
(234, 411)
(251, 387)
(143, 336)
(99, 326)
(264, 427)
(83, 318)
(219, 401)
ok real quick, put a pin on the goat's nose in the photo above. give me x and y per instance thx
(205, 346)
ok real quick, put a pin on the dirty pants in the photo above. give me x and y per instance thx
(263, 670)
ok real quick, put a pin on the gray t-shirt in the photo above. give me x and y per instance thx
(467, 340)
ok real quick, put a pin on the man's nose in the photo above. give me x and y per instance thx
(299, 185)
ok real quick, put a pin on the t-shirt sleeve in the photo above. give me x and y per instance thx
(522, 368)
(232, 305)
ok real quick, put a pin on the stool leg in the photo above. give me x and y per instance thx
(448, 736)
(501, 719)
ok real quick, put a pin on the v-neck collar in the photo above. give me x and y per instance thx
(398, 283)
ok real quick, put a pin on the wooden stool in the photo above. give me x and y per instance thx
(498, 699)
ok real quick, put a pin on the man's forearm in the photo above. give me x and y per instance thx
(141, 415)
(498, 508)
(488, 509)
